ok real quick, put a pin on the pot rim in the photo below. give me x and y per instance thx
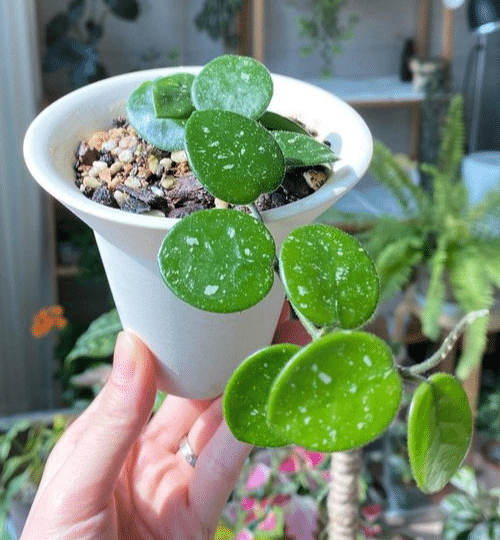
(39, 151)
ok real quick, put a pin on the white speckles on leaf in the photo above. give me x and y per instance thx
(353, 388)
(367, 360)
(307, 420)
(228, 166)
(210, 290)
(324, 377)
(231, 232)
(302, 290)
(191, 241)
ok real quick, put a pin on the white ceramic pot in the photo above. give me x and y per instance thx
(197, 351)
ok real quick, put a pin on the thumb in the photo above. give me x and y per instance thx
(121, 411)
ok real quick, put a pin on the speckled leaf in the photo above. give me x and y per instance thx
(165, 133)
(338, 393)
(234, 157)
(172, 96)
(218, 260)
(247, 393)
(302, 150)
(233, 83)
(98, 341)
(439, 431)
(328, 276)
(276, 122)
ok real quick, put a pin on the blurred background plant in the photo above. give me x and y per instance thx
(472, 513)
(325, 29)
(24, 449)
(72, 36)
(218, 19)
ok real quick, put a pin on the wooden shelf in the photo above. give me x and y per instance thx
(372, 91)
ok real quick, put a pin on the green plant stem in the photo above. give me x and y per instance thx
(312, 330)
(448, 343)
(255, 212)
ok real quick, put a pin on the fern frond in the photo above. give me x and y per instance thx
(436, 291)
(474, 345)
(387, 171)
(395, 265)
(385, 231)
(490, 204)
(469, 280)
(452, 147)
(489, 253)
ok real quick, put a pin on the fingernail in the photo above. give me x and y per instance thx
(123, 359)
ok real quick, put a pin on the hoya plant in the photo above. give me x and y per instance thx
(343, 389)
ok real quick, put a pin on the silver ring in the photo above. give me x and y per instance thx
(188, 452)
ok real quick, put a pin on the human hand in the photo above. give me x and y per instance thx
(113, 475)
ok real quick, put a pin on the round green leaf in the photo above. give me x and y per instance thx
(234, 157)
(247, 393)
(172, 96)
(439, 431)
(337, 393)
(328, 276)
(233, 83)
(275, 122)
(218, 260)
(164, 133)
(302, 150)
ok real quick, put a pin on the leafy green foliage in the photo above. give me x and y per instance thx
(473, 512)
(342, 390)
(165, 133)
(276, 122)
(337, 393)
(247, 394)
(172, 96)
(233, 83)
(217, 145)
(321, 269)
(217, 18)
(439, 431)
(323, 27)
(98, 341)
(71, 38)
(24, 449)
(302, 150)
(441, 231)
(218, 260)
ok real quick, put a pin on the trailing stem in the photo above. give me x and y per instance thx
(448, 343)
(343, 495)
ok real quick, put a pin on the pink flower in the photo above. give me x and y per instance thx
(258, 477)
(244, 534)
(269, 523)
(312, 459)
(371, 531)
(301, 518)
(280, 500)
(248, 504)
(289, 465)
(371, 512)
